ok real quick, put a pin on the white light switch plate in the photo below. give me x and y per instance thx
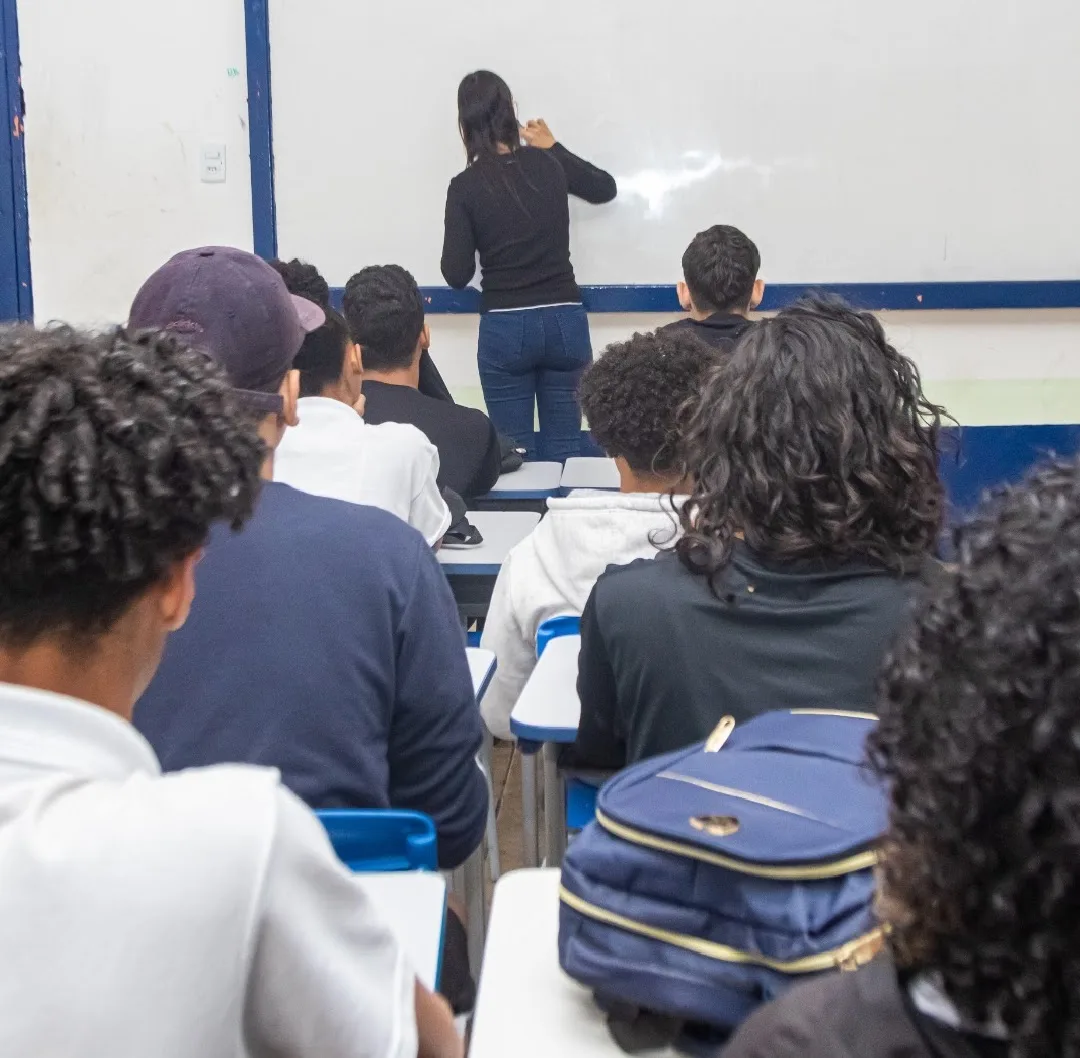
(212, 163)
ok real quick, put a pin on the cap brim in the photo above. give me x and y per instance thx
(310, 315)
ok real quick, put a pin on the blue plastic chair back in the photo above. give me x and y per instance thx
(554, 627)
(382, 840)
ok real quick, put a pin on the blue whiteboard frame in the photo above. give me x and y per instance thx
(1028, 294)
(17, 296)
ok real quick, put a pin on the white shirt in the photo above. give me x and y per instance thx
(196, 914)
(334, 453)
(553, 570)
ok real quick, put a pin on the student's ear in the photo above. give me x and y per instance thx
(758, 295)
(178, 592)
(356, 360)
(290, 394)
(425, 337)
(684, 296)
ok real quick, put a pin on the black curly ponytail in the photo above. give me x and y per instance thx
(117, 453)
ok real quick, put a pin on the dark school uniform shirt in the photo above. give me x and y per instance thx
(470, 456)
(663, 659)
(512, 209)
(864, 1014)
(324, 641)
(721, 330)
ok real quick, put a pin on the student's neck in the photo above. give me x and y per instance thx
(698, 315)
(338, 391)
(91, 676)
(634, 481)
(398, 376)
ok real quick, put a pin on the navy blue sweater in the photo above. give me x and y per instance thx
(324, 641)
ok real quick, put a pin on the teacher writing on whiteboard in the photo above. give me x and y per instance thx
(510, 206)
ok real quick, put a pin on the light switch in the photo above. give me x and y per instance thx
(212, 163)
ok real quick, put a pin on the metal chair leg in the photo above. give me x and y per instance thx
(554, 808)
(531, 851)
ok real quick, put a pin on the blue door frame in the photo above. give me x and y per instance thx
(16, 293)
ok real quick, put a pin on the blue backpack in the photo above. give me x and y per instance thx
(715, 877)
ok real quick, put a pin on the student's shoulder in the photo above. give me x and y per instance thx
(643, 575)
(299, 520)
(210, 824)
(847, 1015)
(400, 437)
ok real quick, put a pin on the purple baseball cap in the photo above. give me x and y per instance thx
(235, 306)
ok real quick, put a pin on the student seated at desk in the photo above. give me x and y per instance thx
(326, 642)
(306, 281)
(814, 505)
(146, 914)
(632, 397)
(333, 452)
(720, 286)
(385, 313)
(980, 874)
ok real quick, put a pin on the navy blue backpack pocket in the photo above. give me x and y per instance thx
(715, 877)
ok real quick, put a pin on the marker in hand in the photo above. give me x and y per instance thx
(537, 134)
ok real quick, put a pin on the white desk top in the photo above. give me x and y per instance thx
(529, 481)
(501, 530)
(413, 905)
(548, 709)
(481, 668)
(526, 1005)
(589, 472)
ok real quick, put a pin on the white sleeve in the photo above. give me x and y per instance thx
(515, 655)
(428, 512)
(327, 978)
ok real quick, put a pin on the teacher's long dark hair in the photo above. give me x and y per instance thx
(813, 440)
(486, 115)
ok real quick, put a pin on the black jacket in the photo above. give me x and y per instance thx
(663, 659)
(470, 456)
(865, 1014)
(720, 330)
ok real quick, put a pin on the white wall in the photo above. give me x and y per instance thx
(121, 94)
(987, 368)
(120, 97)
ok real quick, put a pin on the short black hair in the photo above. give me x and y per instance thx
(385, 313)
(303, 280)
(634, 393)
(720, 268)
(321, 359)
(814, 440)
(117, 453)
(978, 738)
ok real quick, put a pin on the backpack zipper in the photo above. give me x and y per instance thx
(859, 861)
(848, 956)
(746, 795)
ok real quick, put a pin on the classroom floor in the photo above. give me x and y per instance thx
(506, 778)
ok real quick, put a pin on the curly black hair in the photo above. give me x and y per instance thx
(720, 268)
(117, 452)
(979, 739)
(304, 280)
(632, 396)
(385, 312)
(813, 440)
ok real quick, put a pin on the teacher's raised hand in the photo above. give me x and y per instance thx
(537, 134)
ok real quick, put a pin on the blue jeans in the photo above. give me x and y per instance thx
(536, 357)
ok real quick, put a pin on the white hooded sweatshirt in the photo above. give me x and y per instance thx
(552, 572)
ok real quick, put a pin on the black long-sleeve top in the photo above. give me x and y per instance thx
(512, 209)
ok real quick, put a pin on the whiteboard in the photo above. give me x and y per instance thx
(854, 141)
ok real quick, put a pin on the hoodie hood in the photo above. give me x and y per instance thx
(588, 531)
